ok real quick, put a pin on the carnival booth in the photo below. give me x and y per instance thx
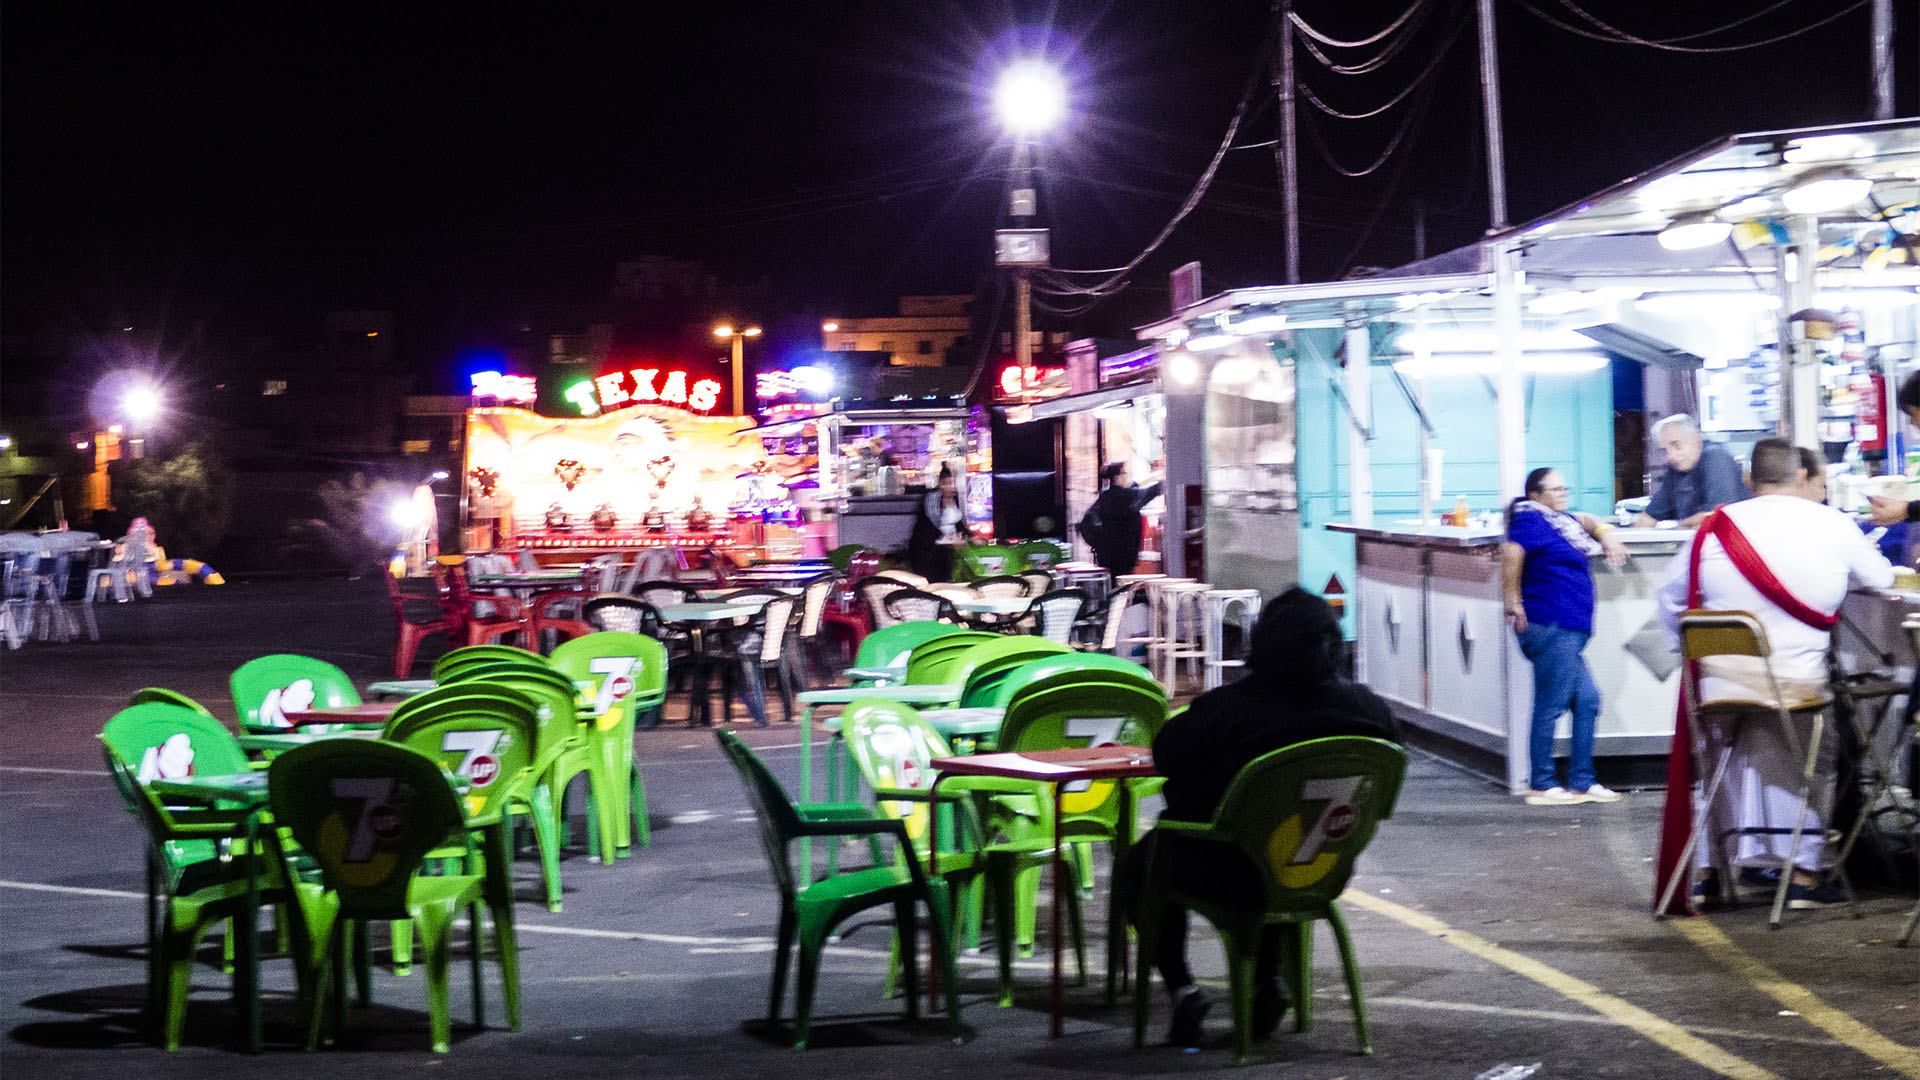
(1362, 435)
(647, 466)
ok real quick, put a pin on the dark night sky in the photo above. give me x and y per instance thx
(250, 167)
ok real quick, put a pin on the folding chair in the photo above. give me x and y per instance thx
(1707, 634)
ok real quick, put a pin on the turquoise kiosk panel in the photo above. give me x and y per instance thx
(1569, 426)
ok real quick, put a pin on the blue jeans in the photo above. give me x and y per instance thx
(1562, 682)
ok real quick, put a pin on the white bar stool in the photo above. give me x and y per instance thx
(1180, 613)
(1244, 604)
(1130, 638)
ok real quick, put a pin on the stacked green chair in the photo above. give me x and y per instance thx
(894, 747)
(369, 813)
(931, 662)
(559, 749)
(163, 696)
(266, 686)
(1083, 666)
(1079, 710)
(982, 669)
(487, 653)
(890, 646)
(809, 912)
(1293, 822)
(485, 735)
(204, 863)
(627, 674)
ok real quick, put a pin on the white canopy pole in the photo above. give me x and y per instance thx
(1510, 398)
(1359, 387)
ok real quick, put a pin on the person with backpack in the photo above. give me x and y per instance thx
(1112, 525)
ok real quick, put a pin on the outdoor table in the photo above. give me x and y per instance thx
(525, 579)
(401, 688)
(989, 605)
(720, 595)
(371, 712)
(1058, 768)
(697, 618)
(279, 742)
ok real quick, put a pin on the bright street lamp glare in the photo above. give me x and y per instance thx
(751, 331)
(723, 331)
(141, 404)
(1030, 98)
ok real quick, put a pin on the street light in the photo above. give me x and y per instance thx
(1029, 99)
(140, 403)
(738, 338)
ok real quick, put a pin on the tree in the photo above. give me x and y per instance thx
(188, 496)
(355, 526)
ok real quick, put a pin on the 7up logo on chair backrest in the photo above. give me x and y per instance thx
(358, 839)
(480, 763)
(616, 681)
(1296, 858)
(1083, 796)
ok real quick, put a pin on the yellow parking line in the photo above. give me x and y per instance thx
(1628, 1015)
(1905, 1059)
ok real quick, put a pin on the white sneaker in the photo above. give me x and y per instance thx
(1555, 796)
(1600, 793)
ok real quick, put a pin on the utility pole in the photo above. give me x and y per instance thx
(1286, 150)
(1883, 59)
(1490, 97)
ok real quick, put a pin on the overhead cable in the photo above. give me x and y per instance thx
(1438, 55)
(1614, 36)
(1255, 77)
(1325, 39)
(1375, 63)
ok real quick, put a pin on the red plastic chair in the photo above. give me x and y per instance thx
(505, 616)
(418, 615)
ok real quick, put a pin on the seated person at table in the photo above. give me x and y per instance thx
(1803, 558)
(1699, 476)
(1890, 511)
(1292, 692)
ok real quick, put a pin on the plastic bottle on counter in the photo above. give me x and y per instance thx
(1461, 511)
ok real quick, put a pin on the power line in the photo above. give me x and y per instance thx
(1438, 55)
(1615, 36)
(1324, 39)
(1374, 63)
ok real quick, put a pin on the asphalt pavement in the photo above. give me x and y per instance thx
(1492, 935)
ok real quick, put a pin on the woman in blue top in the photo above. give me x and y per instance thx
(1549, 597)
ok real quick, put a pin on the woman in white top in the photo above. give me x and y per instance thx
(940, 524)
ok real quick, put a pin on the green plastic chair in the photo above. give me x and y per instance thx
(628, 673)
(808, 913)
(1078, 710)
(163, 696)
(195, 875)
(1292, 823)
(559, 747)
(266, 685)
(841, 558)
(891, 645)
(1039, 555)
(485, 735)
(1095, 666)
(982, 668)
(369, 813)
(491, 652)
(931, 662)
(985, 560)
(894, 747)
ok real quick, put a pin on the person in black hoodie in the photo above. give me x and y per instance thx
(1117, 514)
(1293, 692)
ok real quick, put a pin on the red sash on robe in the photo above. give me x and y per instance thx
(1676, 819)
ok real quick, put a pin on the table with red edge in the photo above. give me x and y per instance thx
(371, 712)
(1058, 768)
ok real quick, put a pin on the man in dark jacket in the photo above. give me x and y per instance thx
(1118, 511)
(1293, 692)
